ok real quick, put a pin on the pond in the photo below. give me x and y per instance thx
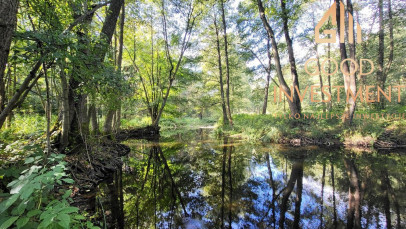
(195, 180)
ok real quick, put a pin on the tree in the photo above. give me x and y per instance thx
(294, 108)
(349, 76)
(223, 102)
(160, 66)
(223, 17)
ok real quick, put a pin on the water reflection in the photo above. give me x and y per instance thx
(201, 182)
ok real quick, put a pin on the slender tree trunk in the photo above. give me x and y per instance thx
(112, 122)
(294, 109)
(108, 122)
(330, 106)
(292, 61)
(64, 140)
(8, 22)
(93, 118)
(381, 50)
(48, 111)
(268, 76)
(349, 79)
(223, 16)
(223, 102)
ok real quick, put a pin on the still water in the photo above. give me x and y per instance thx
(195, 180)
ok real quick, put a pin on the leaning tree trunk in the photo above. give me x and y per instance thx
(292, 61)
(294, 109)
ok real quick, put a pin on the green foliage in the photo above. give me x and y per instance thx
(32, 125)
(32, 201)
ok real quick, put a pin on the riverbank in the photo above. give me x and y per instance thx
(365, 133)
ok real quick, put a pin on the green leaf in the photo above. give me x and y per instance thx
(29, 160)
(7, 203)
(69, 210)
(27, 192)
(33, 213)
(67, 194)
(9, 222)
(20, 209)
(64, 220)
(79, 217)
(68, 180)
(22, 222)
(47, 220)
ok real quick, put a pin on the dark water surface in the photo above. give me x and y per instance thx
(193, 180)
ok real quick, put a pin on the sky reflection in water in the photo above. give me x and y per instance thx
(195, 181)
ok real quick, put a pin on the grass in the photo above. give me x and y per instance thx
(271, 128)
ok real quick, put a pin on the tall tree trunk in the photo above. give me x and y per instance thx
(64, 138)
(268, 76)
(294, 109)
(8, 22)
(382, 70)
(79, 127)
(381, 50)
(223, 102)
(223, 16)
(112, 122)
(330, 106)
(350, 84)
(292, 61)
(93, 118)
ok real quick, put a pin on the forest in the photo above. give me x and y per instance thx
(202, 114)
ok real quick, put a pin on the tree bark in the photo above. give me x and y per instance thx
(349, 79)
(79, 126)
(223, 16)
(223, 102)
(8, 22)
(294, 109)
(268, 76)
(112, 119)
(292, 61)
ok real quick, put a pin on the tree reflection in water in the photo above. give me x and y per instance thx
(207, 183)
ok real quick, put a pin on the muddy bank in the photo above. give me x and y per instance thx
(93, 164)
(91, 167)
